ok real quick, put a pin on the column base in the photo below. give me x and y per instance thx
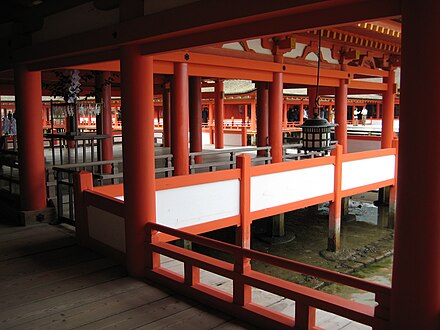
(276, 233)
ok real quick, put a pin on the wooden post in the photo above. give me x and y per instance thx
(244, 136)
(301, 113)
(334, 232)
(388, 111)
(82, 181)
(305, 316)
(138, 154)
(253, 116)
(415, 300)
(30, 136)
(210, 123)
(219, 114)
(195, 118)
(242, 292)
(262, 116)
(285, 108)
(341, 114)
(166, 105)
(104, 119)
(180, 120)
(276, 117)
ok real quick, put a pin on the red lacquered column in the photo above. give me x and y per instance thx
(138, 154)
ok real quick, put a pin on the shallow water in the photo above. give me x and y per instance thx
(311, 231)
(379, 272)
(358, 239)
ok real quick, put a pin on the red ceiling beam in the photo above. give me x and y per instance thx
(211, 21)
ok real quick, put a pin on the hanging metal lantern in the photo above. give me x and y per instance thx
(316, 134)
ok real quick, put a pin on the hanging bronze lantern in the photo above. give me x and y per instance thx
(316, 134)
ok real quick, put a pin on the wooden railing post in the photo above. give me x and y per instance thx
(243, 292)
(192, 274)
(334, 232)
(82, 181)
(153, 259)
(382, 310)
(305, 316)
(244, 136)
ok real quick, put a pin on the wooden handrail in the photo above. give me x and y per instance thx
(303, 296)
(274, 260)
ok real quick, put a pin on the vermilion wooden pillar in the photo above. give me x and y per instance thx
(262, 115)
(415, 299)
(104, 119)
(253, 117)
(341, 114)
(244, 114)
(166, 105)
(388, 112)
(180, 120)
(301, 113)
(285, 108)
(219, 114)
(30, 138)
(276, 117)
(210, 123)
(138, 154)
(195, 115)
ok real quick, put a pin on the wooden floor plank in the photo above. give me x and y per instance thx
(43, 242)
(87, 315)
(142, 315)
(13, 233)
(6, 229)
(44, 261)
(60, 304)
(62, 287)
(25, 283)
(234, 325)
(49, 282)
(196, 317)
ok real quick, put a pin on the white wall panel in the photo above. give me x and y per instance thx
(205, 138)
(106, 228)
(362, 172)
(276, 189)
(187, 206)
(232, 139)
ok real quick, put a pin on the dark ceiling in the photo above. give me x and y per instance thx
(20, 10)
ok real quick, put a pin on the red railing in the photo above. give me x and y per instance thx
(239, 302)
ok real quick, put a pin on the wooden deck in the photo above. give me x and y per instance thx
(48, 282)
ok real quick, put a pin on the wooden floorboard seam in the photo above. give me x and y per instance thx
(59, 316)
(38, 280)
(35, 253)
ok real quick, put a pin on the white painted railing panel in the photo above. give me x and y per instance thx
(358, 173)
(193, 205)
(106, 228)
(277, 189)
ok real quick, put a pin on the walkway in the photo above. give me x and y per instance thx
(48, 282)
